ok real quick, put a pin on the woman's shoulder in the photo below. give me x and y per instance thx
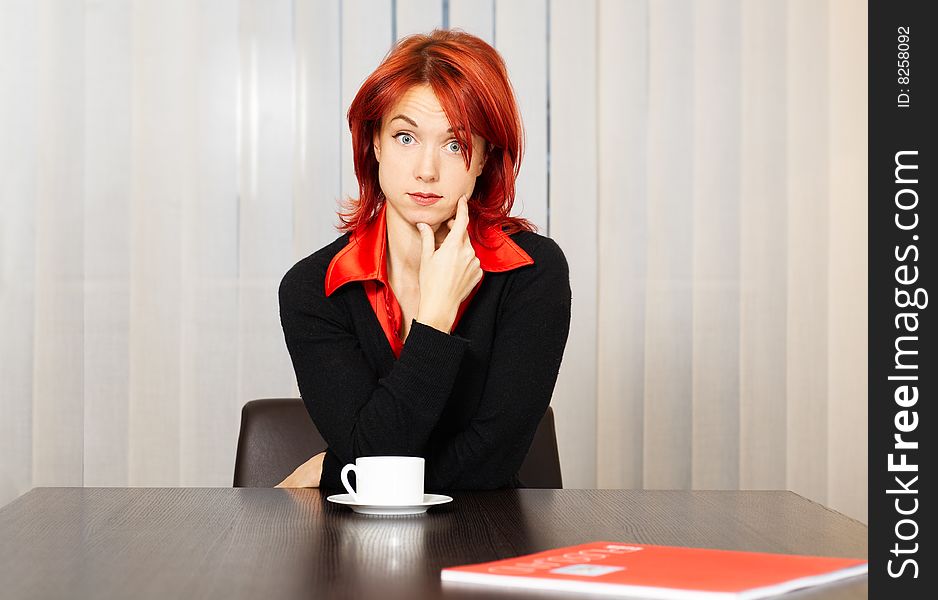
(308, 275)
(545, 252)
(547, 278)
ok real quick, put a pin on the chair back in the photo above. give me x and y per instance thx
(277, 435)
(541, 467)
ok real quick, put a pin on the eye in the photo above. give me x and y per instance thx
(404, 138)
(454, 147)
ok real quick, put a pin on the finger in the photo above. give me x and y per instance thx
(426, 240)
(450, 224)
(462, 212)
(461, 222)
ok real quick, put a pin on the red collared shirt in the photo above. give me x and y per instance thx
(365, 259)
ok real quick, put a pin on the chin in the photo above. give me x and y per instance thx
(434, 224)
(431, 215)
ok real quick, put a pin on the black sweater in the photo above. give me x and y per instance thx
(468, 402)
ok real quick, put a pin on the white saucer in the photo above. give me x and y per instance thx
(389, 510)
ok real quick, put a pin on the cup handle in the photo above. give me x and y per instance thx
(348, 487)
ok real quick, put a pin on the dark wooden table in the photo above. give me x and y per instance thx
(274, 543)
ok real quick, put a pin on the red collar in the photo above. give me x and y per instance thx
(363, 258)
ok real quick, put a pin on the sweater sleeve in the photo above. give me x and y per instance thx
(531, 333)
(357, 413)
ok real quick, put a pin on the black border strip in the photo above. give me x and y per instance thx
(902, 369)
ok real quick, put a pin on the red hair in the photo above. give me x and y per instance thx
(470, 82)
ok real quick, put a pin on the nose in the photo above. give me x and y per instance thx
(427, 168)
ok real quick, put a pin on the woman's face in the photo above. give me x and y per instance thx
(417, 154)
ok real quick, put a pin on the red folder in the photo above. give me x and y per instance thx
(625, 569)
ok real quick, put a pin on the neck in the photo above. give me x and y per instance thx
(405, 246)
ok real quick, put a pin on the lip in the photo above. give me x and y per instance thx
(424, 199)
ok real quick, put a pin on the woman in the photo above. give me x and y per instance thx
(436, 324)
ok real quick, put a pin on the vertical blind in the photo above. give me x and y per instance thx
(702, 164)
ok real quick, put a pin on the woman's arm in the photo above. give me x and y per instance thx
(529, 341)
(306, 475)
(357, 413)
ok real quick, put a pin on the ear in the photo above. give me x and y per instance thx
(376, 143)
(485, 157)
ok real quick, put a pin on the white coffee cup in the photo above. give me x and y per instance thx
(386, 480)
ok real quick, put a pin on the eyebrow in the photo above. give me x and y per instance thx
(414, 123)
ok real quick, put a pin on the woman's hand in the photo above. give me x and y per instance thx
(447, 274)
(306, 475)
